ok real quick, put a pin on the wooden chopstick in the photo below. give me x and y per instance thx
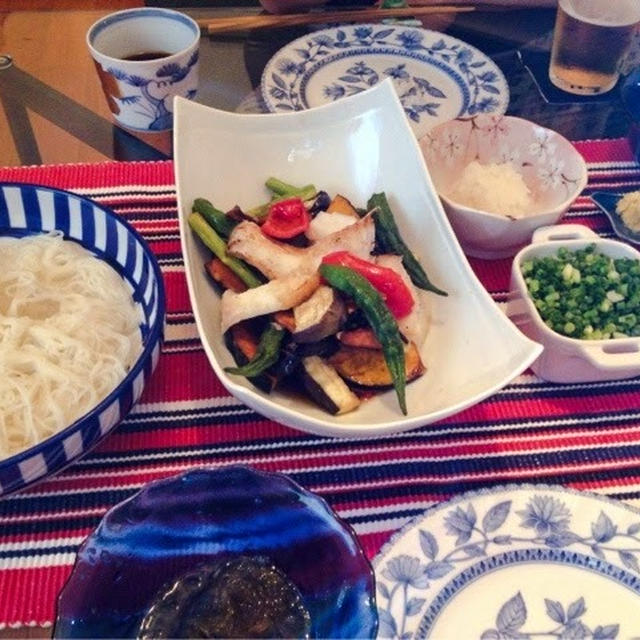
(267, 21)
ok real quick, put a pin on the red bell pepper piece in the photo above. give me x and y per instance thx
(286, 219)
(388, 282)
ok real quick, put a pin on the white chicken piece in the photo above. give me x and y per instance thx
(276, 295)
(324, 224)
(275, 259)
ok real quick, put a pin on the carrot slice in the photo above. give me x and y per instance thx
(219, 271)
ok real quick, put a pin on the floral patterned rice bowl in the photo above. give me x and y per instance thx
(551, 167)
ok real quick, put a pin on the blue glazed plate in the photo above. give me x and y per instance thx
(436, 76)
(27, 209)
(607, 202)
(173, 525)
(513, 562)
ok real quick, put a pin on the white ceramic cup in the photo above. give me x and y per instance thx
(145, 57)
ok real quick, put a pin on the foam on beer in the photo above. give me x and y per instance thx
(618, 13)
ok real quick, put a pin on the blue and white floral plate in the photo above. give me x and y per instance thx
(514, 562)
(437, 77)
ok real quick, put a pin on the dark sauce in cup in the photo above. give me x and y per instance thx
(147, 55)
(243, 597)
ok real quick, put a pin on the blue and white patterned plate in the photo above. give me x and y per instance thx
(514, 562)
(437, 77)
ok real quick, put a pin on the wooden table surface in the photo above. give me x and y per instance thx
(48, 48)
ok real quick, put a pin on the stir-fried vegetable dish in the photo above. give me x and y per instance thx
(317, 294)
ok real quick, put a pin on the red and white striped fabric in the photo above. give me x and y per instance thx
(586, 436)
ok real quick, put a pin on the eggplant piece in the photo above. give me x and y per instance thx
(319, 203)
(293, 353)
(363, 338)
(355, 319)
(326, 387)
(368, 368)
(319, 316)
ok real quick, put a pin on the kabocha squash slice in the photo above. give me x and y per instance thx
(340, 204)
(368, 368)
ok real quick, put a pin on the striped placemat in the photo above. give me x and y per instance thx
(586, 436)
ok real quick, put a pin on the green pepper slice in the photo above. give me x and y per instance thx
(388, 235)
(384, 325)
(219, 220)
(267, 354)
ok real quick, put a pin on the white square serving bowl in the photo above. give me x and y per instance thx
(565, 359)
(356, 146)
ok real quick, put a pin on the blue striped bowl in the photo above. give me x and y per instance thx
(27, 209)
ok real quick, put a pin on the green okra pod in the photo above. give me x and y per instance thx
(216, 243)
(384, 325)
(388, 235)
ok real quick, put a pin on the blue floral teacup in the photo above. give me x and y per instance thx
(145, 57)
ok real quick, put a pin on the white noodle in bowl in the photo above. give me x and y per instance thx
(82, 312)
(69, 333)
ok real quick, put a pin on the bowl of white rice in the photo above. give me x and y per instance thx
(499, 178)
(82, 311)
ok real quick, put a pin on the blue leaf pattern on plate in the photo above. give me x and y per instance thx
(513, 615)
(544, 522)
(485, 88)
(603, 529)
(555, 610)
(496, 516)
(428, 544)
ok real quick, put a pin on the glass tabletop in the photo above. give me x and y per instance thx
(53, 110)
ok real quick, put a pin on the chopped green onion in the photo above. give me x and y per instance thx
(585, 294)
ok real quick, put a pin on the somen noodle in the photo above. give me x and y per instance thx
(69, 332)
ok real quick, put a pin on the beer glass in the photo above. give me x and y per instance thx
(589, 42)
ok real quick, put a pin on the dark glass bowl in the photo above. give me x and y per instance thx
(173, 525)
